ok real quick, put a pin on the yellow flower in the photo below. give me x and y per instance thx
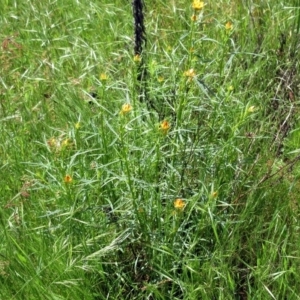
(230, 88)
(179, 204)
(66, 142)
(103, 77)
(160, 79)
(68, 179)
(194, 18)
(137, 58)
(190, 73)
(251, 109)
(59, 144)
(165, 126)
(197, 5)
(214, 194)
(228, 26)
(77, 125)
(126, 108)
(52, 142)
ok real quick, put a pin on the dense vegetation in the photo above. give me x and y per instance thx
(164, 171)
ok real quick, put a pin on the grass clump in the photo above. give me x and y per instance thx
(191, 193)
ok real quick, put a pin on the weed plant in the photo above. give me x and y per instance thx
(191, 193)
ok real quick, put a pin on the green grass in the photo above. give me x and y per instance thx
(231, 152)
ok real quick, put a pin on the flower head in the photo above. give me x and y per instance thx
(214, 194)
(103, 77)
(251, 109)
(179, 204)
(59, 144)
(194, 18)
(160, 79)
(52, 142)
(197, 5)
(228, 26)
(66, 143)
(77, 125)
(68, 179)
(190, 73)
(137, 58)
(126, 108)
(165, 126)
